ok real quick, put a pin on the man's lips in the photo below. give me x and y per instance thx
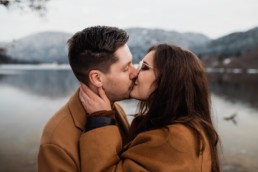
(132, 85)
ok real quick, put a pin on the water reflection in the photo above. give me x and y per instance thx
(236, 87)
(61, 83)
(46, 83)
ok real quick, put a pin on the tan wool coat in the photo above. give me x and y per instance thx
(170, 149)
(59, 146)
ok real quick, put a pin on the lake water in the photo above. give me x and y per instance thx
(29, 97)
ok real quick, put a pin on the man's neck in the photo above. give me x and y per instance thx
(95, 90)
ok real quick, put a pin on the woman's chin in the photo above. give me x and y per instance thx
(133, 94)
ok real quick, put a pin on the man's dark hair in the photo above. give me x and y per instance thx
(93, 49)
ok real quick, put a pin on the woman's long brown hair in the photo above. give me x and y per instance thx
(181, 96)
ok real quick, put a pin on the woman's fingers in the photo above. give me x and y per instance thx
(106, 101)
(93, 102)
(83, 97)
(89, 92)
(102, 94)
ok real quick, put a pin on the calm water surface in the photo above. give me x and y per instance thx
(28, 98)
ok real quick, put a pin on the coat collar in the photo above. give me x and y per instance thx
(79, 114)
(77, 111)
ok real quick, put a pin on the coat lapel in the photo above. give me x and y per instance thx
(77, 111)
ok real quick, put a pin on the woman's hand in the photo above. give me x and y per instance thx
(93, 102)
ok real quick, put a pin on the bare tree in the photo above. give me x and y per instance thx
(38, 6)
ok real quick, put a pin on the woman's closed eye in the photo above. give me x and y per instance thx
(145, 67)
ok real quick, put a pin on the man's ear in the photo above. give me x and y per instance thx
(95, 77)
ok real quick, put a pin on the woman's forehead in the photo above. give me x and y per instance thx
(149, 57)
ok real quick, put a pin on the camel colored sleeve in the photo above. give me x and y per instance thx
(53, 158)
(157, 150)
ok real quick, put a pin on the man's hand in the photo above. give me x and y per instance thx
(91, 101)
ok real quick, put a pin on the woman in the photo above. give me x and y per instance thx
(173, 130)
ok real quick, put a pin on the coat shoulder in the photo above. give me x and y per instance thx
(177, 136)
(59, 126)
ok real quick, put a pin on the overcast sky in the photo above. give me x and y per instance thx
(214, 18)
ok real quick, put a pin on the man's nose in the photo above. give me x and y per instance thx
(134, 72)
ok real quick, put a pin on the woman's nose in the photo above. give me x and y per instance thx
(134, 72)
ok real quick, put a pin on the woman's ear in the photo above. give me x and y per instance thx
(95, 77)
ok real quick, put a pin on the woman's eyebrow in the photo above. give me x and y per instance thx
(147, 64)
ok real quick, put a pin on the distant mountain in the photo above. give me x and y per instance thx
(141, 39)
(234, 44)
(45, 47)
(4, 59)
(48, 47)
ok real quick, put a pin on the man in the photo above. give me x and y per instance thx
(99, 57)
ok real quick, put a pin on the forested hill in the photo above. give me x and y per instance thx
(44, 47)
(234, 44)
(49, 47)
(141, 39)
